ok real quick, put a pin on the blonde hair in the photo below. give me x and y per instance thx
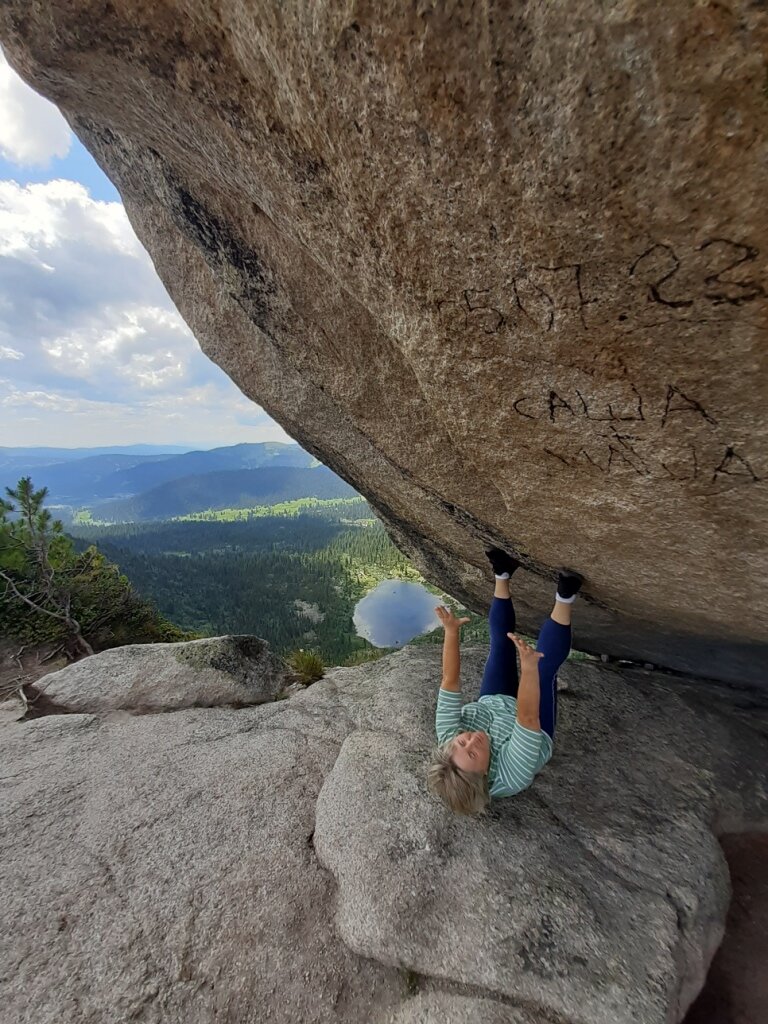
(462, 791)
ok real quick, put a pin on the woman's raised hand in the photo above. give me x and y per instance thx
(528, 655)
(448, 619)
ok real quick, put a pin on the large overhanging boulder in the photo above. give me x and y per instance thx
(498, 266)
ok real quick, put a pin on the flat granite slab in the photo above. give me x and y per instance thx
(284, 861)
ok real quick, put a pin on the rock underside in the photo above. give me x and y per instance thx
(500, 266)
(284, 861)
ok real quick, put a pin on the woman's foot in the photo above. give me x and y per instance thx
(501, 562)
(568, 585)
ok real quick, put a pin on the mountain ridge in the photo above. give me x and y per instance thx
(105, 476)
(265, 485)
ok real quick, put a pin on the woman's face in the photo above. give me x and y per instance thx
(471, 751)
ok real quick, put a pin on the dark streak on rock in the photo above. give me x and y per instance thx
(423, 136)
(307, 168)
(220, 247)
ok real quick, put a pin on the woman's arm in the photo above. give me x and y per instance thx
(519, 756)
(451, 661)
(448, 714)
(529, 690)
(529, 698)
(451, 656)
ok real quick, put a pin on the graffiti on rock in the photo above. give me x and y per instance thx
(606, 423)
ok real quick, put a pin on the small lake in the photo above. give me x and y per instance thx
(395, 612)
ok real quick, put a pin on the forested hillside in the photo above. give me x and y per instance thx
(72, 599)
(293, 579)
(228, 489)
(291, 572)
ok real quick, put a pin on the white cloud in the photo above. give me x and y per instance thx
(194, 417)
(144, 345)
(80, 297)
(39, 219)
(95, 349)
(32, 130)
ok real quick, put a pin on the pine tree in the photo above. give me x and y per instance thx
(54, 593)
(36, 562)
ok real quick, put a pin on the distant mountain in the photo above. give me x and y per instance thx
(48, 456)
(229, 489)
(108, 475)
(235, 457)
(82, 480)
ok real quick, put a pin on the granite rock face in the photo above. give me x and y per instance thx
(146, 678)
(500, 266)
(284, 863)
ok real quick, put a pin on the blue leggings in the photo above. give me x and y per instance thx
(500, 675)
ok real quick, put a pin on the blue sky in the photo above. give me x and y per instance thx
(92, 350)
(77, 165)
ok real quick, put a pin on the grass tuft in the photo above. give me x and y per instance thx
(308, 666)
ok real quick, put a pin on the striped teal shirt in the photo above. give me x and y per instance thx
(517, 753)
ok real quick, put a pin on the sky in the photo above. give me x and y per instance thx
(92, 350)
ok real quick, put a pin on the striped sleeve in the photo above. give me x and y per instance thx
(448, 717)
(519, 758)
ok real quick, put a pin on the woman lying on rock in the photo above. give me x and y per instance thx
(495, 746)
